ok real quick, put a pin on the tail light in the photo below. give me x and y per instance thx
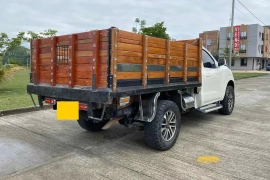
(83, 106)
(50, 101)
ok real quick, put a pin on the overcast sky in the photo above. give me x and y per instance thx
(184, 19)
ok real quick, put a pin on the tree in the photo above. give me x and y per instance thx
(10, 44)
(157, 30)
(225, 53)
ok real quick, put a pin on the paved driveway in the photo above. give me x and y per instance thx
(36, 146)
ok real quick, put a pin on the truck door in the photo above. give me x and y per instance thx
(211, 82)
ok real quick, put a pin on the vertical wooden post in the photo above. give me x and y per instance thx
(168, 62)
(53, 61)
(71, 60)
(144, 65)
(95, 61)
(185, 62)
(199, 69)
(114, 57)
(36, 61)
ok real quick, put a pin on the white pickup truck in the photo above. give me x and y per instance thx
(119, 76)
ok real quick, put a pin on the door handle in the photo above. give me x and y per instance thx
(208, 75)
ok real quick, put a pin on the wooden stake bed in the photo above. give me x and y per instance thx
(113, 60)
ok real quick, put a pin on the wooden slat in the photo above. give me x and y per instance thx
(45, 50)
(200, 60)
(185, 62)
(62, 67)
(83, 82)
(36, 60)
(192, 74)
(64, 38)
(159, 51)
(129, 75)
(84, 35)
(89, 46)
(167, 64)
(62, 74)
(84, 74)
(129, 35)
(95, 60)
(157, 56)
(45, 61)
(129, 53)
(84, 41)
(157, 45)
(191, 41)
(144, 65)
(129, 41)
(62, 81)
(53, 61)
(83, 53)
(44, 56)
(154, 61)
(129, 60)
(45, 67)
(129, 47)
(83, 67)
(176, 74)
(156, 74)
(44, 74)
(83, 60)
(114, 51)
(71, 61)
(159, 41)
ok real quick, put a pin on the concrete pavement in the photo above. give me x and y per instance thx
(36, 146)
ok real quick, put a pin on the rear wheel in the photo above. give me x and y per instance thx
(163, 131)
(89, 124)
(228, 101)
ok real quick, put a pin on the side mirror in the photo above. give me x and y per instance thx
(221, 62)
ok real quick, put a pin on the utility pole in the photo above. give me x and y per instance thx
(232, 18)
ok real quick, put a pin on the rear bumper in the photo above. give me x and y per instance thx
(64, 93)
(103, 96)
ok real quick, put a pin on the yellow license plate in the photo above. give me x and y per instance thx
(67, 110)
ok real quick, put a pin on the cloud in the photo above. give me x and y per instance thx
(183, 19)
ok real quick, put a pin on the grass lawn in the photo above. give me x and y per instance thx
(13, 93)
(242, 75)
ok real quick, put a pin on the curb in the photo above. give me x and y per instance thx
(23, 110)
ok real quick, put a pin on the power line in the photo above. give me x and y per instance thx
(243, 13)
(250, 12)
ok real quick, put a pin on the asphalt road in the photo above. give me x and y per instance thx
(36, 146)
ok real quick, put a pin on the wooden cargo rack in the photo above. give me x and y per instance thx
(114, 59)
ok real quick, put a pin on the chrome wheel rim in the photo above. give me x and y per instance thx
(230, 100)
(168, 127)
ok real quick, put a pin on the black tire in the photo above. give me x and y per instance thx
(228, 101)
(152, 130)
(88, 124)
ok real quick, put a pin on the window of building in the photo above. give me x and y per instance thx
(243, 35)
(229, 36)
(208, 62)
(208, 42)
(243, 47)
(263, 36)
(243, 62)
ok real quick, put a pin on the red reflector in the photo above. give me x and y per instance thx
(83, 107)
(49, 101)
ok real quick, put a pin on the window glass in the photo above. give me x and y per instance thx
(208, 62)
(243, 62)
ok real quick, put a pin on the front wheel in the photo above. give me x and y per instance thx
(163, 131)
(228, 101)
